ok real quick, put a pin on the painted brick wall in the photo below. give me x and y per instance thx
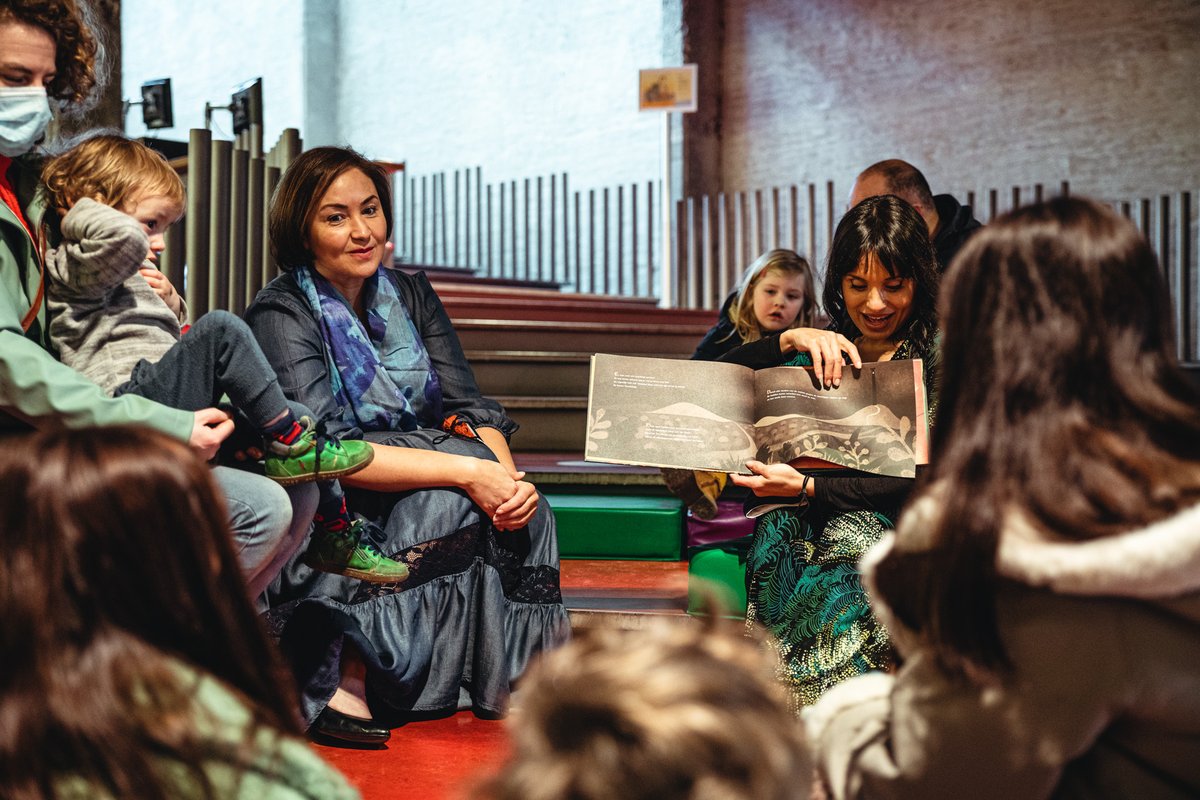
(522, 88)
(207, 49)
(1103, 93)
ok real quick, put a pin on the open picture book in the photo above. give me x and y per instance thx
(714, 416)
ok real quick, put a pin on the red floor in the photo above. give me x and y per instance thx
(443, 759)
(430, 760)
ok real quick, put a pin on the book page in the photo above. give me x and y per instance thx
(874, 421)
(664, 412)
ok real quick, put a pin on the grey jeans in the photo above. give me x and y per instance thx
(269, 522)
(218, 355)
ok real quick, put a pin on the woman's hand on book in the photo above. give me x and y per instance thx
(825, 347)
(771, 480)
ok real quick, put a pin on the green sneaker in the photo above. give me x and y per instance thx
(352, 553)
(315, 456)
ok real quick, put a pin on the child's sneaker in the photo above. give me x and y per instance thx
(314, 456)
(351, 552)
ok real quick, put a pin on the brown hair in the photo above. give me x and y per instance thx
(112, 169)
(786, 263)
(116, 568)
(1061, 399)
(75, 47)
(889, 228)
(299, 194)
(668, 712)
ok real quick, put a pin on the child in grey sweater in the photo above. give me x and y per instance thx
(115, 318)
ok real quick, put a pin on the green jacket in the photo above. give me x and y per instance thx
(35, 389)
(240, 763)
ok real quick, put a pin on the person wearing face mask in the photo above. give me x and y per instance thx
(48, 54)
(804, 586)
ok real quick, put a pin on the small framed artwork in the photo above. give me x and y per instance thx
(668, 89)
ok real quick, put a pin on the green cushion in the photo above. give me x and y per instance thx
(723, 572)
(618, 527)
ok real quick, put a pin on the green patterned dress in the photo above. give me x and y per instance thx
(805, 589)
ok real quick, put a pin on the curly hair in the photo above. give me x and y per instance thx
(75, 46)
(670, 712)
(112, 169)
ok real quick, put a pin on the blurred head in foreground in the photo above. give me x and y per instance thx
(672, 711)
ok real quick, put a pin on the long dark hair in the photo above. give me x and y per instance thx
(116, 567)
(1061, 399)
(894, 232)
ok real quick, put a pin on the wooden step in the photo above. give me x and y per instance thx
(609, 337)
(441, 275)
(626, 594)
(535, 372)
(530, 372)
(547, 423)
(488, 288)
(568, 468)
(568, 307)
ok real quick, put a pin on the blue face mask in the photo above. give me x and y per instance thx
(24, 115)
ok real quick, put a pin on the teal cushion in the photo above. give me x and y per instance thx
(618, 527)
(721, 571)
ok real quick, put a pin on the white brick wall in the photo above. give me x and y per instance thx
(521, 88)
(207, 49)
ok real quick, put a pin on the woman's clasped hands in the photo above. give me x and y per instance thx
(502, 493)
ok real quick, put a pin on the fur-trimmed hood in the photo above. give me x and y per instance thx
(1159, 562)
(1101, 635)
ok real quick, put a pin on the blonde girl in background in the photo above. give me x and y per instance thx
(776, 293)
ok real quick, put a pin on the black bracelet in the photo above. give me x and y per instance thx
(804, 487)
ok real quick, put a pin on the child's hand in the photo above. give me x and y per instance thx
(163, 288)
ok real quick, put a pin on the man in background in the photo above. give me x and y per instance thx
(950, 223)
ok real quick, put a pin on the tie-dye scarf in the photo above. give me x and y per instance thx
(381, 373)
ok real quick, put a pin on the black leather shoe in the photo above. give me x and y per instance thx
(342, 729)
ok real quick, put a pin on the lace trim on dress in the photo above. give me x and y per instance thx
(504, 551)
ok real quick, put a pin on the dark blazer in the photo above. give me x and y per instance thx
(291, 339)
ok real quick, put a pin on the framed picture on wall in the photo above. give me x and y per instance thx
(668, 89)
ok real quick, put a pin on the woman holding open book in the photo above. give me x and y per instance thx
(804, 585)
